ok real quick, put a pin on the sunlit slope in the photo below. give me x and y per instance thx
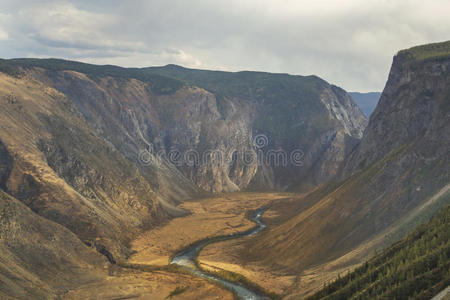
(38, 253)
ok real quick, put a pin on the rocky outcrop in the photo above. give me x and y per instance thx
(57, 165)
(108, 152)
(6, 163)
(301, 125)
(410, 128)
(395, 177)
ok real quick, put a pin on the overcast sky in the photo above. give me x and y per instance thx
(347, 42)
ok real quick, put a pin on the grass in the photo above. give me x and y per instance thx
(227, 275)
(428, 51)
(171, 268)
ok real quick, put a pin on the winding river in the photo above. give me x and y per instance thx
(187, 258)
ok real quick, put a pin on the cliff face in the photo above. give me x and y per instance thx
(57, 165)
(108, 152)
(301, 126)
(206, 136)
(410, 126)
(395, 177)
(168, 137)
(413, 106)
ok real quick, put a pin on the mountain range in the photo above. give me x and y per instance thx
(92, 157)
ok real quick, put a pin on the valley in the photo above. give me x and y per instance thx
(211, 217)
(113, 178)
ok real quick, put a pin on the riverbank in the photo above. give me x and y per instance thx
(210, 217)
(238, 284)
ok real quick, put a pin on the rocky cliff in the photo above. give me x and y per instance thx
(56, 164)
(396, 176)
(108, 152)
(301, 126)
(206, 135)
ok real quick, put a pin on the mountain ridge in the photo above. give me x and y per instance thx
(90, 148)
(396, 169)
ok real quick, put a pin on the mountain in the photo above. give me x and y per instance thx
(366, 101)
(36, 252)
(107, 153)
(302, 114)
(58, 165)
(93, 156)
(216, 113)
(396, 176)
(40, 259)
(415, 267)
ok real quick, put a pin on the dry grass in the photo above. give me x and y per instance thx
(210, 217)
(156, 285)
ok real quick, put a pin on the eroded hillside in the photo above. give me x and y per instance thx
(396, 177)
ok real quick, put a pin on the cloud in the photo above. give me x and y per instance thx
(349, 43)
(3, 35)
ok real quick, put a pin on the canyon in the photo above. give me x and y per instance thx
(107, 172)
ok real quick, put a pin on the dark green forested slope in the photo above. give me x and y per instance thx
(417, 267)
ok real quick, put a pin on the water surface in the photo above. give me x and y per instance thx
(187, 258)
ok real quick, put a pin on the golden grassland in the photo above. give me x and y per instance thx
(150, 285)
(219, 215)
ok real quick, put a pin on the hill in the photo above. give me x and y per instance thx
(366, 101)
(293, 113)
(106, 152)
(396, 177)
(415, 267)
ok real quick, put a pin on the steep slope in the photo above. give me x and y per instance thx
(58, 166)
(417, 266)
(38, 253)
(366, 101)
(109, 152)
(237, 131)
(40, 259)
(292, 118)
(397, 176)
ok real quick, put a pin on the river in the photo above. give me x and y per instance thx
(187, 258)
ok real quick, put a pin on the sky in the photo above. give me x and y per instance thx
(349, 43)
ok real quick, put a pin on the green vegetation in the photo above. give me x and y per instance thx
(436, 51)
(417, 267)
(159, 84)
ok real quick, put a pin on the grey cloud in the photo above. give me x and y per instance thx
(349, 43)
